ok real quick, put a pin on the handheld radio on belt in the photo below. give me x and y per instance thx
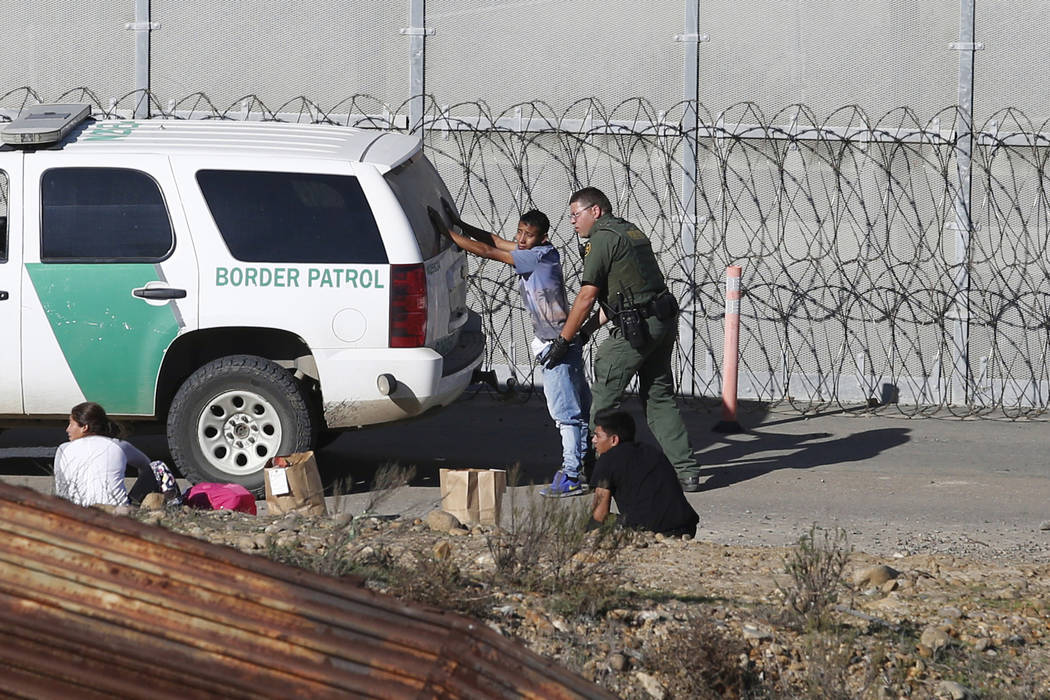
(629, 318)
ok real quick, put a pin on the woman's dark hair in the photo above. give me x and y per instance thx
(93, 416)
(616, 422)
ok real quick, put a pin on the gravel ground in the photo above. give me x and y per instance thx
(681, 618)
(959, 509)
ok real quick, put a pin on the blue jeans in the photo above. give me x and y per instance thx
(569, 403)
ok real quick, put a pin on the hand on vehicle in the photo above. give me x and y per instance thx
(559, 347)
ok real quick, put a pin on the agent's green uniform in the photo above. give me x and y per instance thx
(620, 258)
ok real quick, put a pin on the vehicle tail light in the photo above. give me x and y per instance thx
(408, 306)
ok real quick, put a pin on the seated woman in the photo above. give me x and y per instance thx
(90, 468)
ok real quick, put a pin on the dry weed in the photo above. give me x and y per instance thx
(816, 567)
(547, 548)
(704, 662)
(389, 479)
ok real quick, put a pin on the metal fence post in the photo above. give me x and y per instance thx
(142, 27)
(963, 222)
(691, 39)
(417, 33)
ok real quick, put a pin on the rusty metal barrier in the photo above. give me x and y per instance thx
(95, 605)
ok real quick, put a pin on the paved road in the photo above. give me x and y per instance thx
(897, 485)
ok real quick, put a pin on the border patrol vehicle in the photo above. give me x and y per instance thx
(254, 285)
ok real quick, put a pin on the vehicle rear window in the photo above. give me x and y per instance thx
(103, 214)
(292, 217)
(416, 184)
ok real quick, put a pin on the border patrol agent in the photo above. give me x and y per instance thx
(620, 272)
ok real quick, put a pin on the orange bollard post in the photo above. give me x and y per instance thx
(731, 353)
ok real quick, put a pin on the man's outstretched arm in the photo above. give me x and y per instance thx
(480, 249)
(489, 239)
(477, 247)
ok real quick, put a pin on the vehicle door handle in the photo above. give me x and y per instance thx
(3, 296)
(159, 293)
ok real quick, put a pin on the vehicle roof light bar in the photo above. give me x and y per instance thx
(42, 125)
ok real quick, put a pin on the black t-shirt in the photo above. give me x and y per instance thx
(646, 488)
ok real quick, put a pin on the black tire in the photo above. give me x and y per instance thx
(233, 414)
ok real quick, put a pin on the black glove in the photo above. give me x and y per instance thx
(556, 353)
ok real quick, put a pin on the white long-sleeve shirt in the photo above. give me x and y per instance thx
(90, 470)
(136, 458)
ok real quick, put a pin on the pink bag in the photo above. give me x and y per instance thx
(212, 496)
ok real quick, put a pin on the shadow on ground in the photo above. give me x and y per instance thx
(489, 430)
(738, 460)
(482, 430)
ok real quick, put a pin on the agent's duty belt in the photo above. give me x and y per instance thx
(663, 306)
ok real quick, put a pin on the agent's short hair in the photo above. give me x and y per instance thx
(535, 217)
(616, 422)
(590, 196)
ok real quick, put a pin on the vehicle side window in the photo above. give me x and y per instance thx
(3, 216)
(103, 214)
(292, 217)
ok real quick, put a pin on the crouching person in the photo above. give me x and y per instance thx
(640, 478)
(89, 469)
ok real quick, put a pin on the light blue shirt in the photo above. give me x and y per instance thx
(542, 288)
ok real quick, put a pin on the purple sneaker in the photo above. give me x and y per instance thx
(563, 486)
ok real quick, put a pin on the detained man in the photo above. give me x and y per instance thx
(640, 478)
(537, 264)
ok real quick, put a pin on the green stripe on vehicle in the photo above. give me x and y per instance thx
(113, 342)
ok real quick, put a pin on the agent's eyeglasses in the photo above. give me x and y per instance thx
(573, 215)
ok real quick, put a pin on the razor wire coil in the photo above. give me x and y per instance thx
(859, 278)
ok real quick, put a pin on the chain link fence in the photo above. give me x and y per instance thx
(894, 248)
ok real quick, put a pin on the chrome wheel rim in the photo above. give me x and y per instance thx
(238, 431)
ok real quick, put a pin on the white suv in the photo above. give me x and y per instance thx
(254, 284)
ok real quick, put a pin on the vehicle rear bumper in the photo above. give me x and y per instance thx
(424, 380)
